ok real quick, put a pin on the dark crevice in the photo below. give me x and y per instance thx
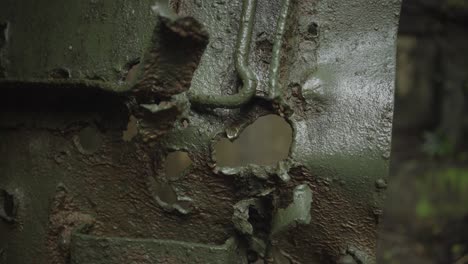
(7, 206)
(3, 43)
(42, 96)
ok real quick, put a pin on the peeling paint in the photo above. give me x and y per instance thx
(298, 212)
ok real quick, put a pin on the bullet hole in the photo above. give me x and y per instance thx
(266, 142)
(165, 193)
(60, 73)
(61, 156)
(381, 184)
(218, 45)
(176, 164)
(88, 140)
(132, 71)
(313, 29)
(132, 129)
(185, 123)
(3, 34)
(7, 206)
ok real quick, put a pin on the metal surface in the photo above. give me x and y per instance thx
(249, 79)
(94, 65)
(105, 250)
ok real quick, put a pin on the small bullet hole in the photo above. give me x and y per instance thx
(88, 140)
(176, 164)
(313, 29)
(3, 34)
(132, 129)
(60, 73)
(7, 206)
(132, 71)
(185, 123)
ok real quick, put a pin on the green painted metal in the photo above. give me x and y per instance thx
(91, 40)
(242, 57)
(242, 66)
(68, 90)
(298, 212)
(107, 250)
(275, 63)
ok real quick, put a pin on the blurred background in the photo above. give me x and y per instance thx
(426, 214)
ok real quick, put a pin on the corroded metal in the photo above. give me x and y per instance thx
(325, 67)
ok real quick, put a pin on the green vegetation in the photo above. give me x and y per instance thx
(443, 193)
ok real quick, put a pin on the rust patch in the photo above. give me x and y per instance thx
(63, 220)
(168, 67)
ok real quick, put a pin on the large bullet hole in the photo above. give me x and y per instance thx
(266, 142)
(165, 193)
(176, 164)
(7, 206)
(88, 140)
(132, 129)
(132, 71)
